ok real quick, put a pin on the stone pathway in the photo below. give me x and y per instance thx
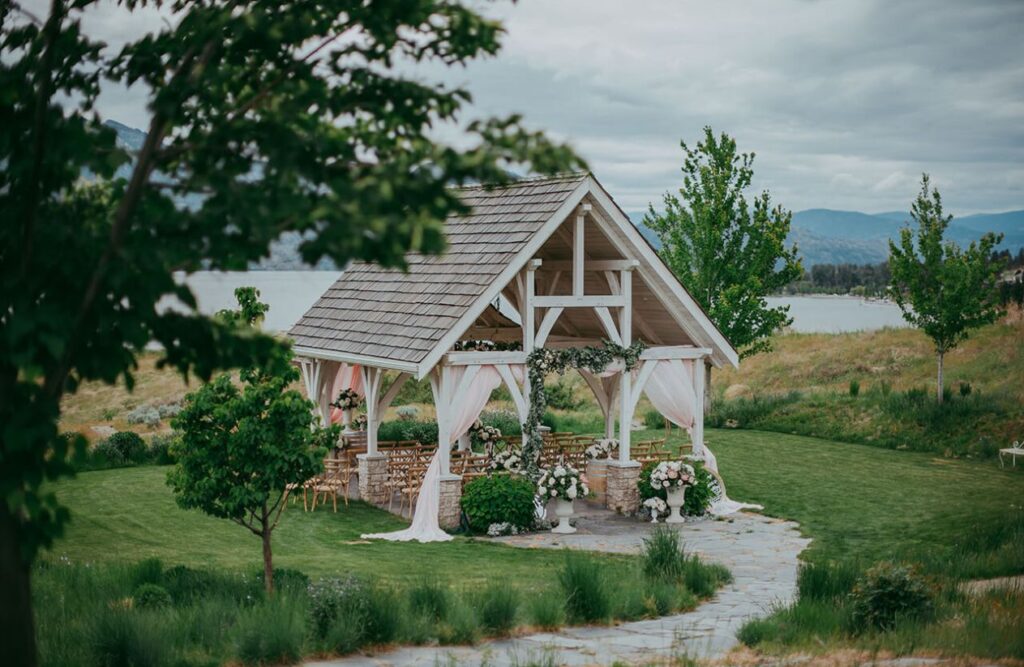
(761, 553)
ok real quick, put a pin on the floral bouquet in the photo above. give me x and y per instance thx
(348, 399)
(562, 481)
(656, 506)
(510, 460)
(602, 449)
(484, 435)
(672, 474)
(359, 423)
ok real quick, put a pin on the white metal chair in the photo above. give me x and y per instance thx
(1016, 450)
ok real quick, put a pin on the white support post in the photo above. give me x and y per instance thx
(529, 326)
(626, 383)
(578, 251)
(440, 383)
(697, 434)
(372, 380)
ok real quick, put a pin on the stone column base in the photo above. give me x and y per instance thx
(621, 490)
(373, 475)
(450, 509)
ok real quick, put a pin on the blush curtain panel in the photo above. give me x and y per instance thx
(349, 377)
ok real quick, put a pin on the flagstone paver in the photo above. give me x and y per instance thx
(761, 553)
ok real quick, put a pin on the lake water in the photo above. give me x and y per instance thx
(291, 293)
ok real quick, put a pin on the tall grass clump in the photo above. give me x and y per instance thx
(587, 595)
(498, 606)
(461, 626)
(663, 556)
(546, 610)
(272, 632)
(122, 638)
(829, 580)
(430, 597)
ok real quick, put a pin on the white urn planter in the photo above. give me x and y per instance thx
(676, 497)
(563, 510)
(346, 419)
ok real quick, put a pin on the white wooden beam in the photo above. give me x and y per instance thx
(697, 433)
(361, 359)
(626, 316)
(608, 300)
(592, 264)
(605, 317)
(675, 352)
(553, 285)
(471, 358)
(546, 324)
(578, 235)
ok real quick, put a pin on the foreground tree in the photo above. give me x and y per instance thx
(241, 448)
(266, 117)
(942, 289)
(728, 256)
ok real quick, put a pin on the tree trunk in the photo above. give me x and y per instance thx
(17, 628)
(938, 386)
(268, 561)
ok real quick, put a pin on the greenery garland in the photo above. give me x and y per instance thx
(544, 360)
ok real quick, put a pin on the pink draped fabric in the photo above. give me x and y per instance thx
(349, 376)
(425, 526)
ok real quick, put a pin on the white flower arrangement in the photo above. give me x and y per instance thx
(509, 460)
(672, 474)
(483, 434)
(359, 423)
(348, 399)
(656, 506)
(503, 528)
(563, 481)
(602, 449)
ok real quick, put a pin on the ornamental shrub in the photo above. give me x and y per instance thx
(425, 432)
(654, 419)
(498, 498)
(887, 593)
(160, 446)
(698, 496)
(151, 596)
(506, 421)
(130, 446)
(561, 396)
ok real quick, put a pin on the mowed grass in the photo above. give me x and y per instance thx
(129, 514)
(865, 502)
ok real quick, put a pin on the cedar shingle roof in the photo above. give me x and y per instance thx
(388, 314)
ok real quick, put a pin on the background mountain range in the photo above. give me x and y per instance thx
(824, 236)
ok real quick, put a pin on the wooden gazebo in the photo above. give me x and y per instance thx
(549, 262)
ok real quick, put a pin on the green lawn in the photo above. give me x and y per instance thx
(130, 514)
(853, 500)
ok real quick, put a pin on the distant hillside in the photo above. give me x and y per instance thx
(825, 236)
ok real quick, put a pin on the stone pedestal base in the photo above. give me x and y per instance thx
(621, 490)
(450, 507)
(373, 474)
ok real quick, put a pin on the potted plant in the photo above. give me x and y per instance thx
(482, 434)
(347, 401)
(674, 477)
(564, 484)
(656, 506)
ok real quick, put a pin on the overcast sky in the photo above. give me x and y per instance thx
(844, 102)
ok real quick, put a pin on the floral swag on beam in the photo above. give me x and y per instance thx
(544, 360)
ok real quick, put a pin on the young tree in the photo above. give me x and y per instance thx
(727, 255)
(241, 448)
(942, 289)
(267, 117)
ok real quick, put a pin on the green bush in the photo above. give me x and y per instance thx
(965, 389)
(498, 605)
(550, 419)
(105, 455)
(414, 391)
(334, 598)
(506, 421)
(654, 420)
(854, 388)
(560, 395)
(151, 596)
(747, 412)
(129, 445)
(496, 499)
(703, 579)
(147, 571)
(160, 449)
(698, 496)
(383, 615)
(423, 431)
(888, 593)
(270, 633)
(586, 591)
